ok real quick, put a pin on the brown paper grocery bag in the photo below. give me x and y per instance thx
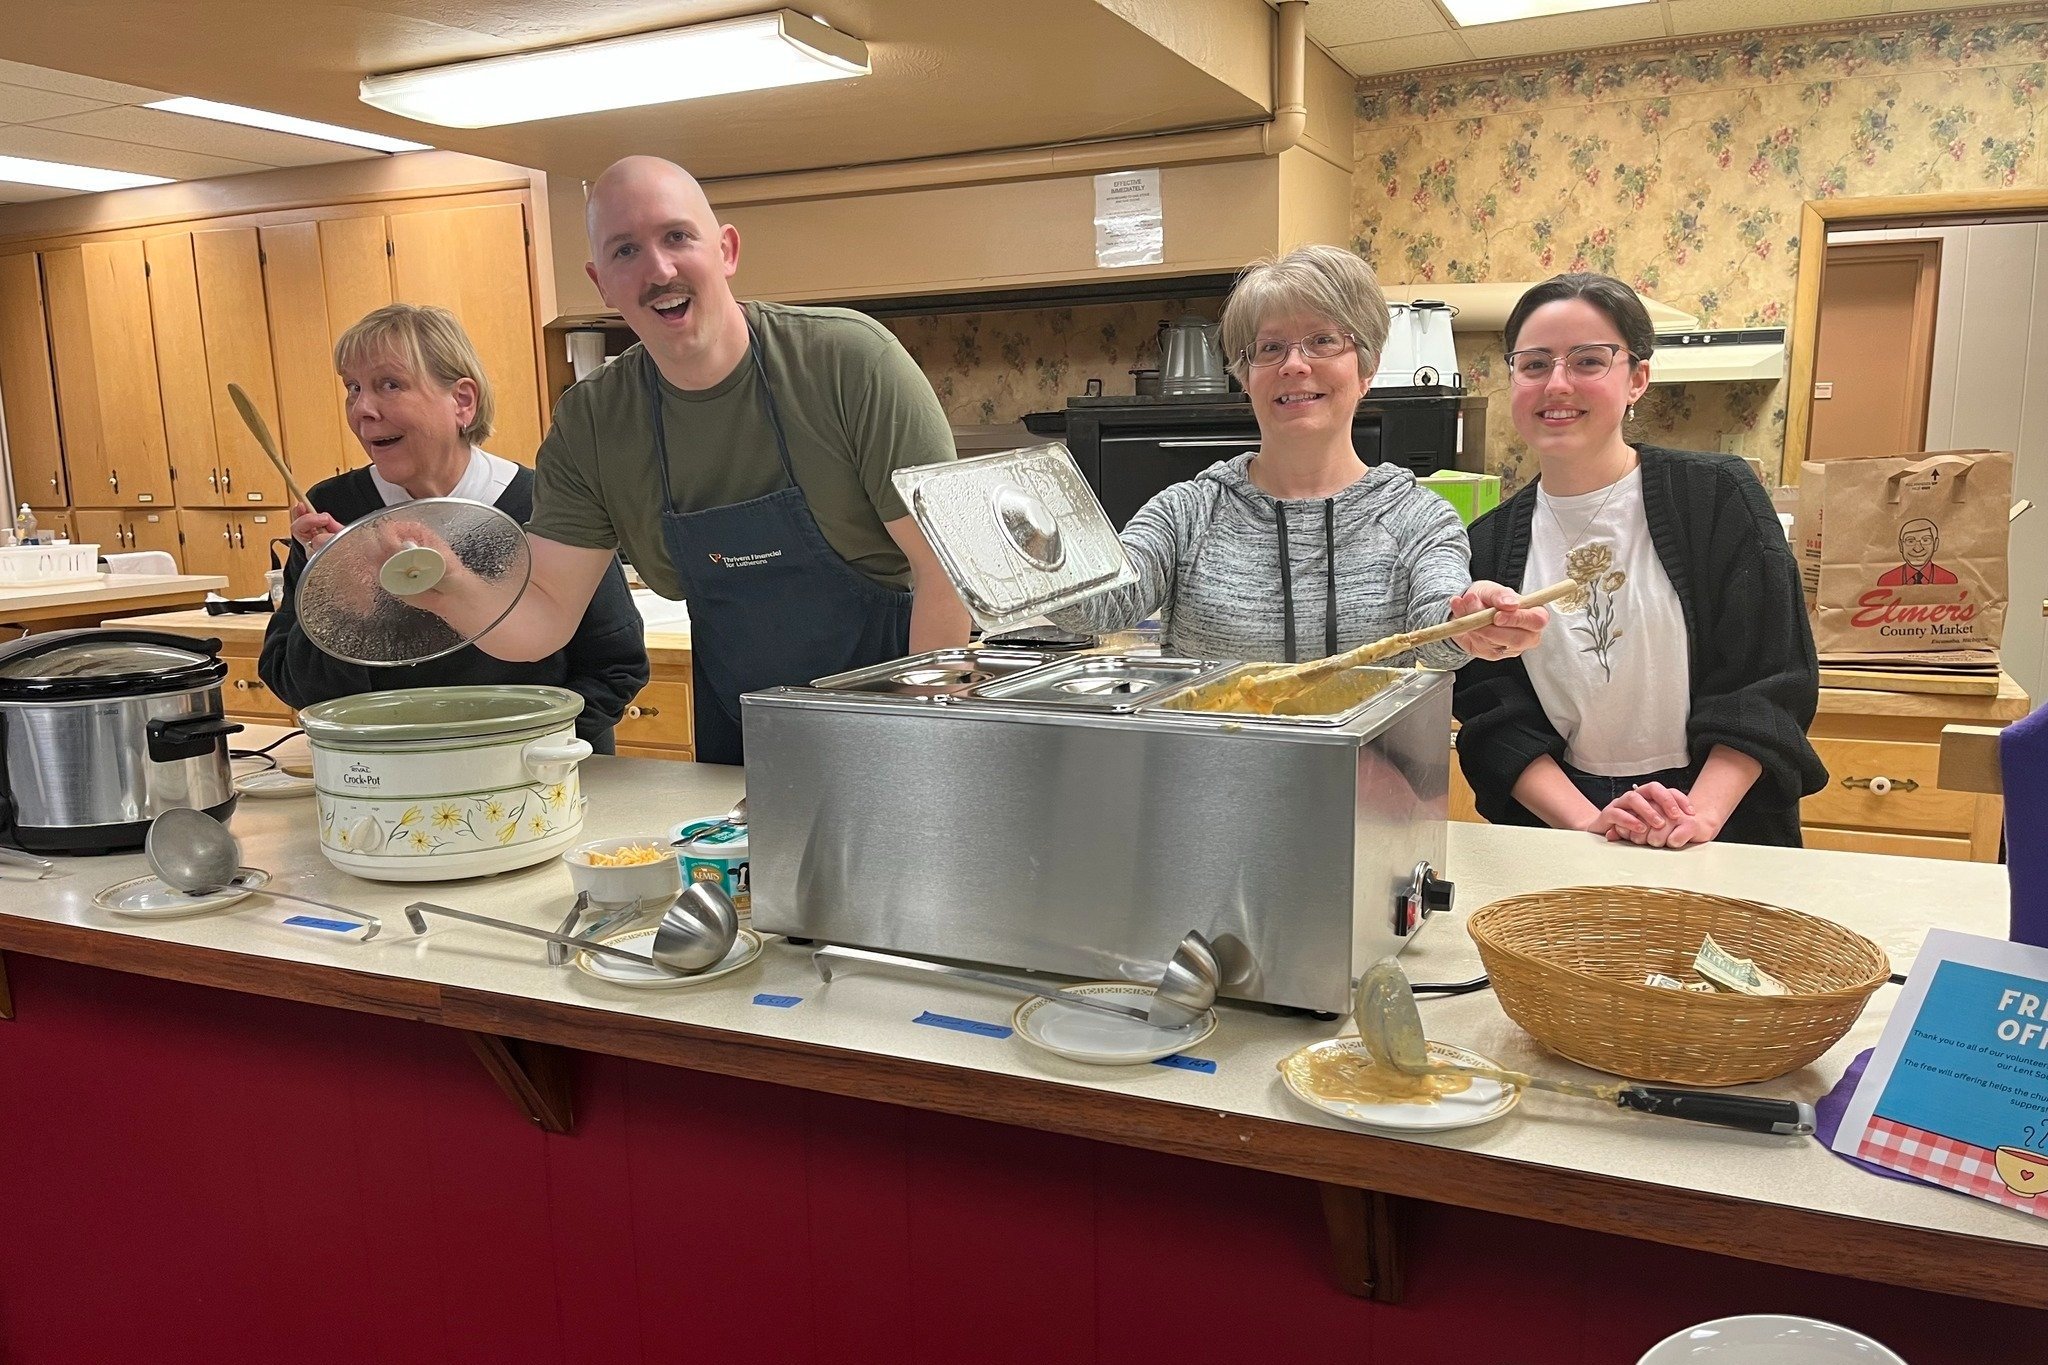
(1905, 553)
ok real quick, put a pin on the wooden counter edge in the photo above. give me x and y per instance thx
(1918, 1258)
(2010, 704)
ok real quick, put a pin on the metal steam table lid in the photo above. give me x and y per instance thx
(1019, 533)
(355, 599)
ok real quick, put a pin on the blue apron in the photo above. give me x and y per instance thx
(771, 602)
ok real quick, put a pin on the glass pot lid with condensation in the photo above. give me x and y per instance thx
(1020, 533)
(355, 599)
(426, 715)
(91, 665)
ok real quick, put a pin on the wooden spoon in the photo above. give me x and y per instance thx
(261, 431)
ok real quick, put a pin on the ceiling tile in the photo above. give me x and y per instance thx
(1565, 32)
(86, 87)
(182, 132)
(48, 144)
(1726, 16)
(1402, 54)
(1339, 23)
(21, 104)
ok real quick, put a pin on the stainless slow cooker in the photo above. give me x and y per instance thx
(101, 731)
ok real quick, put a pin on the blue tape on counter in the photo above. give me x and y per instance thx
(780, 1002)
(339, 926)
(963, 1025)
(1185, 1063)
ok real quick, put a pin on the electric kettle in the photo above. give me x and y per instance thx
(1190, 359)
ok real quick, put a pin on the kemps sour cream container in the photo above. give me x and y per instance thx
(713, 851)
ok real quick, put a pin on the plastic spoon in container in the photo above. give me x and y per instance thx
(1391, 1028)
(696, 932)
(195, 853)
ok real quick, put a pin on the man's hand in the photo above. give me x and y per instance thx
(1515, 630)
(313, 529)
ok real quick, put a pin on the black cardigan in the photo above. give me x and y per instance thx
(605, 661)
(1755, 679)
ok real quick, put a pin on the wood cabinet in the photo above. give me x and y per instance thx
(235, 321)
(56, 519)
(471, 261)
(103, 350)
(181, 370)
(235, 543)
(120, 529)
(28, 390)
(309, 400)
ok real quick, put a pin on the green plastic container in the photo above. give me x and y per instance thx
(1474, 495)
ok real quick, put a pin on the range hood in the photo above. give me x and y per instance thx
(1756, 354)
(1485, 307)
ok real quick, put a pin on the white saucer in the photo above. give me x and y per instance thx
(1084, 1035)
(619, 972)
(1483, 1102)
(150, 898)
(1769, 1339)
(262, 782)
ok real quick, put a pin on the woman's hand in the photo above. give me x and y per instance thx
(313, 529)
(1648, 814)
(1515, 630)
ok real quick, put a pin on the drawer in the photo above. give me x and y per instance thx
(1899, 845)
(245, 694)
(659, 718)
(1925, 808)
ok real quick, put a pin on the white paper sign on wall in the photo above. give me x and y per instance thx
(1130, 228)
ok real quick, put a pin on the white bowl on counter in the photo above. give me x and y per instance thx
(435, 783)
(634, 884)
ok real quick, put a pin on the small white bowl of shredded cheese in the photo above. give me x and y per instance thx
(633, 870)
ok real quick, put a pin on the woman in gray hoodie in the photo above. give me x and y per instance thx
(1298, 549)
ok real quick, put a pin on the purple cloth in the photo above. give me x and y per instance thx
(1827, 1119)
(2023, 765)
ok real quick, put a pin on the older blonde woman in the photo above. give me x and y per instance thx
(420, 403)
(1298, 548)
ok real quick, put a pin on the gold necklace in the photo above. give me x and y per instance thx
(1591, 521)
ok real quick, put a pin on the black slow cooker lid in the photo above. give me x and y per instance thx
(84, 665)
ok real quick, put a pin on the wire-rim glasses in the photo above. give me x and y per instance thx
(1591, 360)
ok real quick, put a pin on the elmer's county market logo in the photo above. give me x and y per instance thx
(743, 561)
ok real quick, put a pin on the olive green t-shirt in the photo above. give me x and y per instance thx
(854, 406)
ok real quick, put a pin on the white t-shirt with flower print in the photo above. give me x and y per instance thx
(1613, 670)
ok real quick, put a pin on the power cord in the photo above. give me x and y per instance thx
(1477, 983)
(264, 752)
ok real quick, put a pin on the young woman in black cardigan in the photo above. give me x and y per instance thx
(1669, 705)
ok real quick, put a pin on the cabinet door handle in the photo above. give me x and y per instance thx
(640, 712)
(241, 536)
(114, 479)
(248, 685)
(1879, 786)
(53, 481)
(213, 479)
(227, 481)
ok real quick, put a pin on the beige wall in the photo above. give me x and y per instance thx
(1683, 169)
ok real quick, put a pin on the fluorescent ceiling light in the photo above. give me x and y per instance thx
(285, 123)
(1472, 13)
(751, 53)
(61, 175)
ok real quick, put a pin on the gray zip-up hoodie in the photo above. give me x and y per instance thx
(1234, 573)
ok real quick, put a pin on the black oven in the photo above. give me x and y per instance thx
(1129, 448)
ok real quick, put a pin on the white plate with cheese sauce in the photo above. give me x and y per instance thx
(1482, 1102)
(1083, 1035)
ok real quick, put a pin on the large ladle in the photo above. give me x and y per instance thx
(1391, 1028)
(192, 852)
(695, 933)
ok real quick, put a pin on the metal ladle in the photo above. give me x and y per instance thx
(695, 933)
(1391, 1028)
(1187, 988)
(192, 852)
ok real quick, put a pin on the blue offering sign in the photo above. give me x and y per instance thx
(1957, 1090)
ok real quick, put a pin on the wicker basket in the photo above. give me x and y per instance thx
(1568, 966)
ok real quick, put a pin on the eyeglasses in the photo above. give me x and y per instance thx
(1319, 346)
(1590, 361)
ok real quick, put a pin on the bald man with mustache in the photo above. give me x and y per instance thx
(740, 456)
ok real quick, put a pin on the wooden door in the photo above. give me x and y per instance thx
(236, 324)
(181, 370)
(234, 542)
(355, 267)
(308, 392)
(105, 527)
(155, 529)
(1876, 349)
(56, 519)
(78, 404)
(124, 364)
(473, 262)
(28, 389)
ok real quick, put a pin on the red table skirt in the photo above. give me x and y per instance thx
(196, 1175)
